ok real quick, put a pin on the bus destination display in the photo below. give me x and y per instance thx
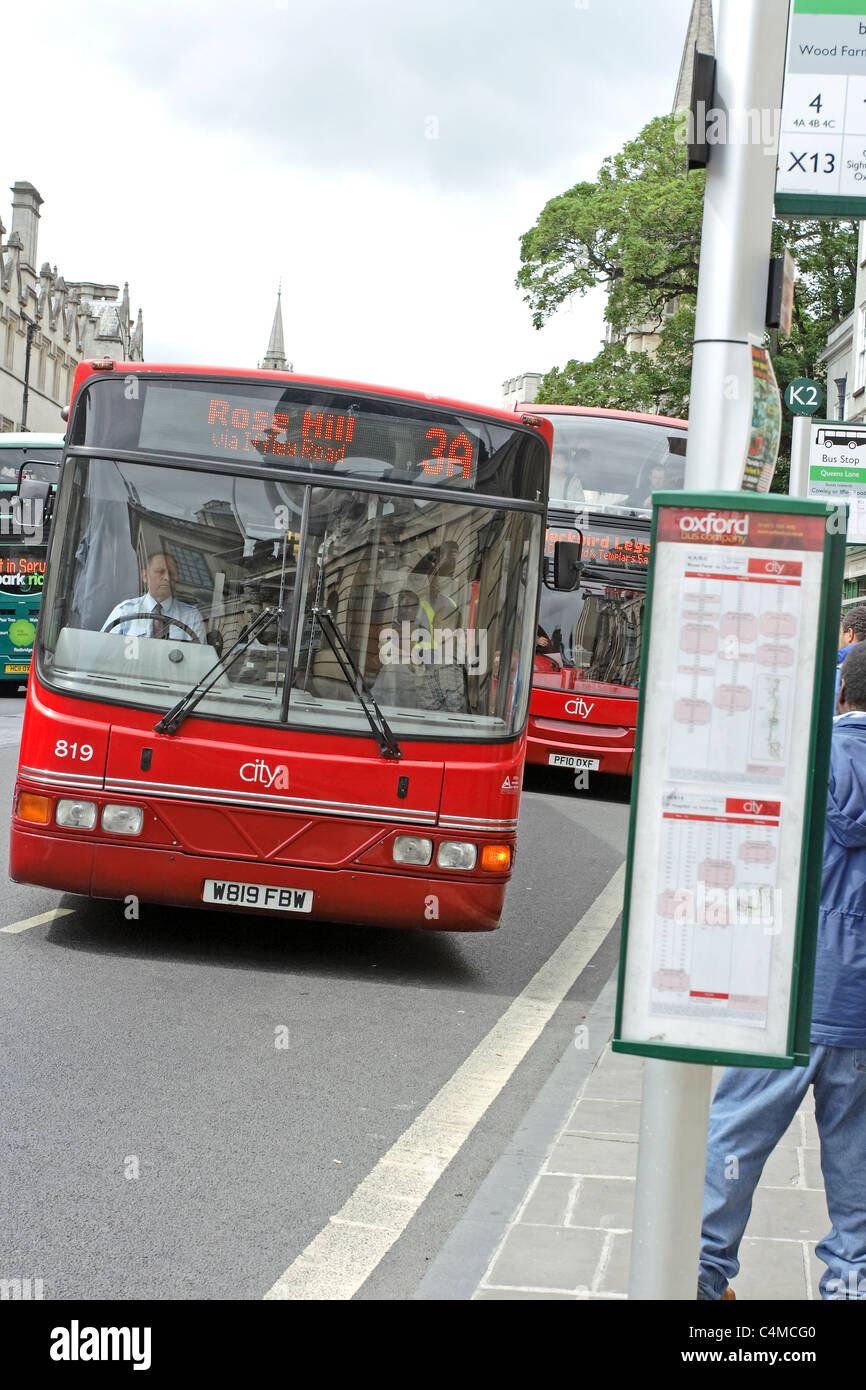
(604, 547)
(224, 424)
(22, 572)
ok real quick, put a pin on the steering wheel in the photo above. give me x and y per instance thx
(155, 617)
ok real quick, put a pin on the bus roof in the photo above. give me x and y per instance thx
(542, 408)
(89, 368)
(28, 440)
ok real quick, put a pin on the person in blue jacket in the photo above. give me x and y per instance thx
(852, 631)
(753, 1107)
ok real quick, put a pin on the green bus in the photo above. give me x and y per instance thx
(28, 462)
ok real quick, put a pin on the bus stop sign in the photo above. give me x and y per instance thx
(803, 396)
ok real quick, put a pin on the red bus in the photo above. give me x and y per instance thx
(606, 463)
(285, 648)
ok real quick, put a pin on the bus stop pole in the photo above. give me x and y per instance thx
(731, 305)
(801, 437)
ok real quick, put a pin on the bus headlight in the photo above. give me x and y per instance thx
(456, 854)
(122, 820)
(412, 849)
(80, 815)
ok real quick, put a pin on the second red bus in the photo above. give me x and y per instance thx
(606, 465)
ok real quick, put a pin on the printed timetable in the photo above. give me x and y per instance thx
(739, 621)
(721, 810)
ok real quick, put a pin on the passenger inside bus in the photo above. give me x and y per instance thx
(546, 645)
(156, 612)
(421, 674)
(433, 576)
(655, 483)
(567, 468)
(666, 473)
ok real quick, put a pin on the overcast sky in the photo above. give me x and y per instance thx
(381, 158)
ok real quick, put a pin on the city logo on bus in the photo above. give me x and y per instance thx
(579, 707)
(714, 525)
(259, 771)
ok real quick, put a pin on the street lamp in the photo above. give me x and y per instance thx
(841, 384)
(31, 329)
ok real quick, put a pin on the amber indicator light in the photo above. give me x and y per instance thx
(34, 808)
(496, 857)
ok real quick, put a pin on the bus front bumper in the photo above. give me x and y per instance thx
(170, 877)
(612, 745)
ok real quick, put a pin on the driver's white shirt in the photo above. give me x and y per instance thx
(143, 627)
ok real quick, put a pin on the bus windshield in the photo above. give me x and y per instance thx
(13, 456)
(159, 568)
(605, 461)
(594, 632)
(24, 521)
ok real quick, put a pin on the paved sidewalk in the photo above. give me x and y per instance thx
(571, 1236)
(553, 1220)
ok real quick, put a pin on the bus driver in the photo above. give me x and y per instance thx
(160, 581)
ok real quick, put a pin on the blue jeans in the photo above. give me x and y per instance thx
(751, 1110)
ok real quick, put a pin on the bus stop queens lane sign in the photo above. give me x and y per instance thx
(837, 471)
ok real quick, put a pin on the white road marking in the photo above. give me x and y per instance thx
(343, 1256)
(37, 921)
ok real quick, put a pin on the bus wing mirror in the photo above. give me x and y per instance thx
(35, 490)
(35, 496)
(566, 564)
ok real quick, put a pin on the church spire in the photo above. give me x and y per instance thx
(700, 36)
(275, 357)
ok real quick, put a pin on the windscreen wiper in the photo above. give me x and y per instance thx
(388, 745)
(171, 722)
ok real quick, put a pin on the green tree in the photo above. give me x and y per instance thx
(656, 382)
(636, 232)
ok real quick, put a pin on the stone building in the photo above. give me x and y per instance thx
(520, 390)
(62, 322)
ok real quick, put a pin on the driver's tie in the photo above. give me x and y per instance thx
(161, 624)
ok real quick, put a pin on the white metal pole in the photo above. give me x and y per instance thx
(672, 1155)
(732, 293)
(801, 436)
(735, 238)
